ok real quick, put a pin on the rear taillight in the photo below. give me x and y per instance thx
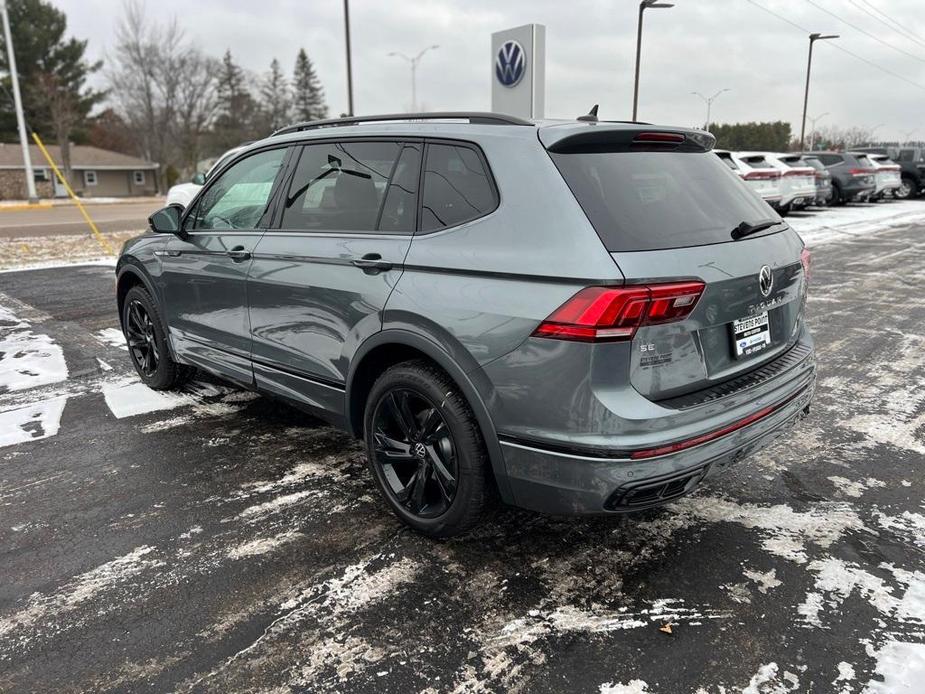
(762, 176)
(806, 260)
(606, 314)
(799, 172)
(861, 172)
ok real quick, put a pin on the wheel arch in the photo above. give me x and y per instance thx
(392, 346)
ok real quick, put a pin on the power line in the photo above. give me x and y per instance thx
(908, 37)
(866, 33)
(836, 45)
(899, 26)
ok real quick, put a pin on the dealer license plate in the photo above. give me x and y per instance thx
(751, 335)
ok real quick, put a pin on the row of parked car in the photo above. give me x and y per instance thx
(790, 181)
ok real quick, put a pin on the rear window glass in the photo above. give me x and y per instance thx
(814, 162)
(757, 162)
(640, 201)
(457, 188)
(863, 160)
(726, 158)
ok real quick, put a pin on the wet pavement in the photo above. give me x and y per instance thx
(214, 540)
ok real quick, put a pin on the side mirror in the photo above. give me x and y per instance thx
(199, 179)
(167, 219)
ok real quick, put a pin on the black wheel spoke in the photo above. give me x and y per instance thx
(444, 477)
(398, 406)
(392, 449)
(417, 492)
(431, 424)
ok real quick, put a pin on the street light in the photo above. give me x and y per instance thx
(709, 103)
(414, 68)
(812, 132)
(643, 6)
(17, 106)
(809, 65)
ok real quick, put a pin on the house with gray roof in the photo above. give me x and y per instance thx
(95, 173)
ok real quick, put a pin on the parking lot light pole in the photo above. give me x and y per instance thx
(812, 132)
(643, 6)
(709, 103)
(414, 68)
(17, 105)
(809, 66)
(349, 65)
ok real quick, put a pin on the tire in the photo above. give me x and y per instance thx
(159, 372)
(418, 392)
(906, 189)
(784, 210)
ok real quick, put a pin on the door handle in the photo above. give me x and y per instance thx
(239, 253)
(372, 261)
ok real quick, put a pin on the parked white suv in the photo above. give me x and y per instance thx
(798, 180)
(887, 175)
(183, 193)
(764, 180)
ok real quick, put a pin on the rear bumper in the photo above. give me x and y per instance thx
(576, 482)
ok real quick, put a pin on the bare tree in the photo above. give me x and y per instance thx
(163, 87)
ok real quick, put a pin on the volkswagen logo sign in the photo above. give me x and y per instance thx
(510, 64)
(765, 280)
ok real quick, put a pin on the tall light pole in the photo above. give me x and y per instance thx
(812, 132)
(809, 66)
(17, 105)
(643, 6)
(709, 103)
(349, 66)
(414, 68)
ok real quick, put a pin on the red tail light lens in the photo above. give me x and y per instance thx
(602, 314)
(762, 175)
(861, 172)
(806, 260)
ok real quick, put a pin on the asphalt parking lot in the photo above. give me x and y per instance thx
(213, 540)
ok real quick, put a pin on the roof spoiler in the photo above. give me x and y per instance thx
(602, 139)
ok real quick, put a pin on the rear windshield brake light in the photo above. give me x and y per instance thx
(607, 314)
(669, 138)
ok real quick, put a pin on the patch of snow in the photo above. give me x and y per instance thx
(275, 505)
(768, 681)
(27, 359)
(129, 399)
(263, 545)
(900, 669)
(112, 337)
(845, 672)
(104, 261)
(31, 422)
(908, 525)
(766, 581)
(631, 687)
(855, 488)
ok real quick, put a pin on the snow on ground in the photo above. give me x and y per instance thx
(27, 359)
(825, 225)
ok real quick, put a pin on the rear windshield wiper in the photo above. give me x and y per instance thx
(745, 229)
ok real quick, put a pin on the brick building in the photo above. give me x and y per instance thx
(95, 173)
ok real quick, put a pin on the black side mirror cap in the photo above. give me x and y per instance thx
(167, 220)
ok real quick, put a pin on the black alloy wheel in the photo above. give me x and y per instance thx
(142, 341)
(415, 452)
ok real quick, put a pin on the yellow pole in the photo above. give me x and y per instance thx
(100, 239)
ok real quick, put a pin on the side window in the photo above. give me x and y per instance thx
(342, 187)
(239, 197)
(401, 200)
(457, 188)
(906, 155)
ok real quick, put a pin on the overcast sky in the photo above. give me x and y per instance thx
(702, 45)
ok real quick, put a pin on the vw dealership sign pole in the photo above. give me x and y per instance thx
(518, 71)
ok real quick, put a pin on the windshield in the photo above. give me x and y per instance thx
(639, 201)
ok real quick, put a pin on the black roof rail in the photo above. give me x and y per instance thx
(474, 117)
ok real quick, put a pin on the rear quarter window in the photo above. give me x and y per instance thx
(640, 201)
(457, 186)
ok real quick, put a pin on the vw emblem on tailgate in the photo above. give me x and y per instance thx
(510, 63)
(765, 280)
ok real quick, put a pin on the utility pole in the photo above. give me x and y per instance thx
(414, 67)
(17, 104)
(709, 103)
(349, 66)
(643, 6)
(809, 66)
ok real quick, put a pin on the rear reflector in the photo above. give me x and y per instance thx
(606, 314)
(712, 435)
(806, 259)
(670, 138)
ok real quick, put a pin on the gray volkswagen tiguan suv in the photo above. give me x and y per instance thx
(579, 317)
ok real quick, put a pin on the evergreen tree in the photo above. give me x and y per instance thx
(53, 73)
(234, 123)
(277, 100)
(308, 94)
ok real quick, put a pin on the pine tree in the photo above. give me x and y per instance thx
(236, 107)
(308, 94)
(277, 100)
